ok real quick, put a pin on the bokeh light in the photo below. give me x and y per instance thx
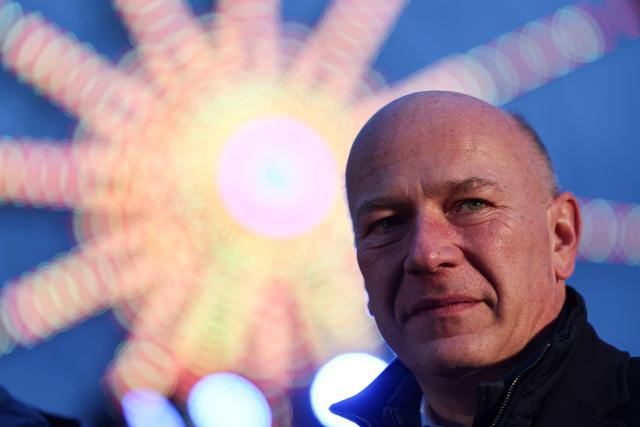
(630, 235)
(342, 377)
(282, 186)
(610, 232)
(145, 408)
(522, 60)
(228, 400)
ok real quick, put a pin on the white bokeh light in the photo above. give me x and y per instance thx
(144, 408)
(228, 400)
(342, 377)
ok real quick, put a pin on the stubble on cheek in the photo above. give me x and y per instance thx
(450, 356)
(447, 344)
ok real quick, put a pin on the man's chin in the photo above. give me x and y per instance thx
(451, 357)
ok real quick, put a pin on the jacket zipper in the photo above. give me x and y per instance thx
(363, 420)
(514, 384)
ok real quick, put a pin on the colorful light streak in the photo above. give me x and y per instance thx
(205, 177)
(611, 232)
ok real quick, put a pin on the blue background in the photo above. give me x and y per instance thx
(590, 121)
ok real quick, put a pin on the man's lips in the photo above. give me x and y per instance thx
(442, 306)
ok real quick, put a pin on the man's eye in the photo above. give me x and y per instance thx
(384, 225)
(472, 205)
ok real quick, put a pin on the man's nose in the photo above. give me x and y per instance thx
(433, 246)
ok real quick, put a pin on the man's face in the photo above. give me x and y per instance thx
(453, 235)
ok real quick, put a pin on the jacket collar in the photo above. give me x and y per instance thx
(580, 372)
(593, 384)
(392, 399)
(582, 378)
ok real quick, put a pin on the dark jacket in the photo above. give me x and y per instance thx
(14, 413)
(575, 380)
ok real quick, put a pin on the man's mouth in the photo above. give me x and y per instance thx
(442, 306)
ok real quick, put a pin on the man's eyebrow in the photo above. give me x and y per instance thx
(461, 186)
(473, 183)
(374, 204)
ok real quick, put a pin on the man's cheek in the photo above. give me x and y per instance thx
(380, 303)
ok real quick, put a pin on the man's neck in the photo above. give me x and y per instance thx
(451, 403)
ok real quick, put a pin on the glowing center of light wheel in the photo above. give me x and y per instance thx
(277, 177)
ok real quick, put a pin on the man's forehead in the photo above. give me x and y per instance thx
(426, 113)
(426, 122)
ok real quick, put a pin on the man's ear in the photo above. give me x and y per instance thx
(565, 228)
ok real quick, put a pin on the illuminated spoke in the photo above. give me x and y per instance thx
(39, 174)
(169, 38)
(215, 327)
(91, 278)
(256, 24)
(324, 316)
(610, 232)
(521, 61)
(74, 76)
(48, 173)
(274, 338)
(339, 51)
(230, 58)
(144, 363)
(80, 175)
(149, 359)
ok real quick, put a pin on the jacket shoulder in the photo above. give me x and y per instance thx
(14, 413)
(630, 411)
(634, 377)
(601, 386)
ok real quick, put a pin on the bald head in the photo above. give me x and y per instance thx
(425, 121)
